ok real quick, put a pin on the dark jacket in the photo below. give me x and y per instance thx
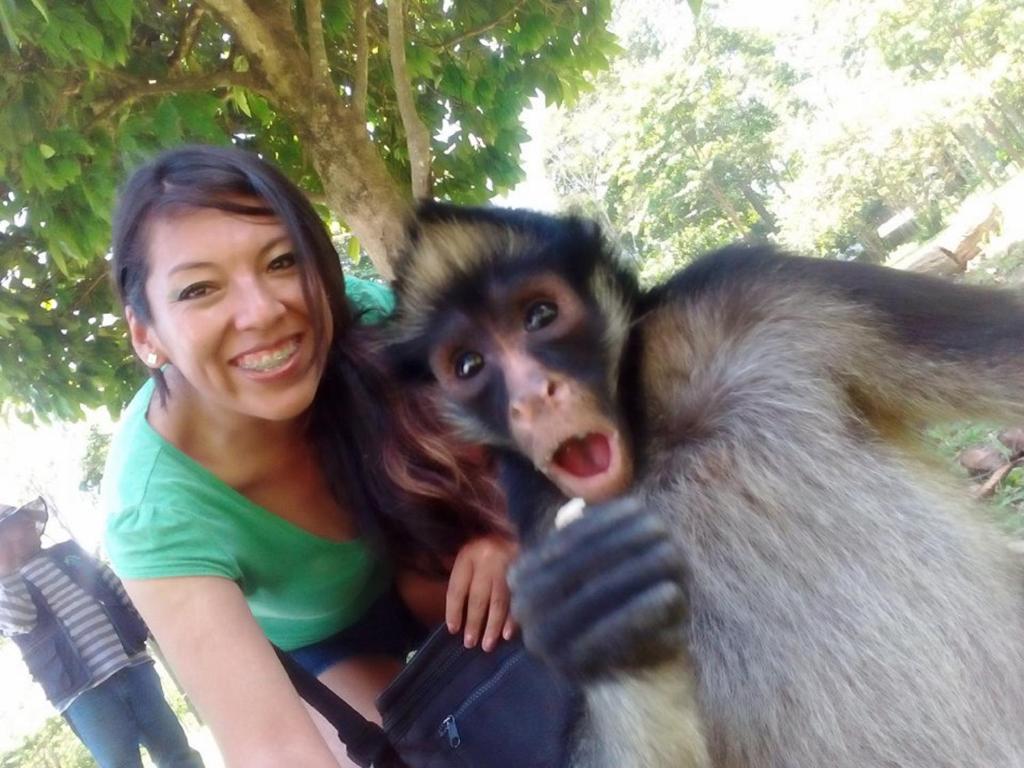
(48, 650)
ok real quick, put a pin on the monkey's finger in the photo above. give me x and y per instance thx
(553, 625)
(458, 589)
(544, 602)
(476, 609)
(497, 612)
(591, 558)
(604, 529)
(622, 641)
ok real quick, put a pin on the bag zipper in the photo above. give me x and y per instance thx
(449, 728)
(397, 722)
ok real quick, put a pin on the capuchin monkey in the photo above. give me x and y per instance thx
(769, 573)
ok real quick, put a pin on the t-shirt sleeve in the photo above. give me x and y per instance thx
(153, 542)
(373, 301)
(17, 611)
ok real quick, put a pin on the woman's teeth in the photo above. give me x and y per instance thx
(269, 359)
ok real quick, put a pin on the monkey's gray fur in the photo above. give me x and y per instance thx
(849, 606)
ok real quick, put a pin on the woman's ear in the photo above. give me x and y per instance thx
(144, 340)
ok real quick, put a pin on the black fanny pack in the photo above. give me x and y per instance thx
(453, 707)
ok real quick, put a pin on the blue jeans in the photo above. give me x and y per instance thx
(387, 628)
(124, 711)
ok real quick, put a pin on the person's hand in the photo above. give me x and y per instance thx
(477, 602)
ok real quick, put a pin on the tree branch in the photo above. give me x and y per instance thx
(362, 73)
(266, 32)
(186, 38)
(319, 68)
(133, 90)
(417, 138)
(485, 27)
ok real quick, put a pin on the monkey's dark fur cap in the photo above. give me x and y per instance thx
(451, 247)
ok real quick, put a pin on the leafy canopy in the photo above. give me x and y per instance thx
(89, 88)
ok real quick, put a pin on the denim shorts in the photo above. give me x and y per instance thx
(386, 629)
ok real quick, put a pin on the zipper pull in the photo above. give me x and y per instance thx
(450, 730)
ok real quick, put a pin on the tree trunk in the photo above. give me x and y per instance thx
(357, 184)
(872, 243)
(980, 166)
(727, 207)
(758, 204)
(1006, 143)
(1010, 120)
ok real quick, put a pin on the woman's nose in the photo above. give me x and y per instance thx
(257, 305)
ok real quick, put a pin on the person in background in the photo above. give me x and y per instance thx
(85, 645)
(269, 482)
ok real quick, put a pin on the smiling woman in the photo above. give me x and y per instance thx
(278, 487)
(226, 296)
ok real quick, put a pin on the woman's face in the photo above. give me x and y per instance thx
(228, 312)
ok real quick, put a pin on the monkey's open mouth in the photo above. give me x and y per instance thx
(584, 456)
(593, 465)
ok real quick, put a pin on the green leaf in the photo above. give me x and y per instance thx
(7, 23)
(122, 10)
(47, 151)
(695, 6)
(238, 94)
(533, 32)
(41, 7)
(60, 262)
(240, 64)
(65, 171)
(354, 252)
(261, 110)
(166, 122)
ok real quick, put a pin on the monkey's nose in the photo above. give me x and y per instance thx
(527, 405)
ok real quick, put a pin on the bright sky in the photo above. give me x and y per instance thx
(47, 461)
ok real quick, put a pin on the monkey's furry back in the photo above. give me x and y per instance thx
(849, 607)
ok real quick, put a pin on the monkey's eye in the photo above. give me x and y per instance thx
(540, 314)
(468, 365)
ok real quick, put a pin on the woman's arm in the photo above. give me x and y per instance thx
(230, 672)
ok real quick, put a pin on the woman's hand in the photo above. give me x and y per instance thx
(477, 601)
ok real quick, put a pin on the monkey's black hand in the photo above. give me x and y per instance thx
(606, 592)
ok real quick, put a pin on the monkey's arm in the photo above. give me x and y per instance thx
(602, 600)
(905, 347)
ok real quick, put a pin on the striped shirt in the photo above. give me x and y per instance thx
(87, 625)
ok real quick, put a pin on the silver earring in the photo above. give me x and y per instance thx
(151, 359)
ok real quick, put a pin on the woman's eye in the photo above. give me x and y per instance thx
(194, 291)
(540, 314)
(283, 261)
(468, 365)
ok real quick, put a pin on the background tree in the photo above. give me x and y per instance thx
(365, 105)
(813, 130)
(695, 154)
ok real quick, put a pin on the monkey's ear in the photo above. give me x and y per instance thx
(408, 360)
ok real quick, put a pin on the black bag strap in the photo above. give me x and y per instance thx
(365, 741)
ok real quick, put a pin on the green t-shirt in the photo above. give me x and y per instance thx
(168, 516)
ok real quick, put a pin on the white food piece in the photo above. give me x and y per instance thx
(570, 511)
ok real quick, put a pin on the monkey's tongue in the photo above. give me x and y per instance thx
(584, 457)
